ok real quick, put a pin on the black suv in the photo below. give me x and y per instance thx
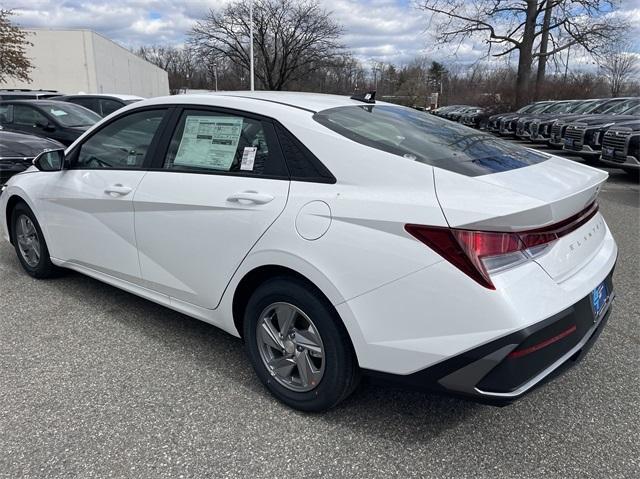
(60, 121)
(26, 94)
(103, 105)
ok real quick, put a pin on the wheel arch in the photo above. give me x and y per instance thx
(12, 202)
(254, 278)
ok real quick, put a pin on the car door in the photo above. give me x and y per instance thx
(220, 185)
(89, 207)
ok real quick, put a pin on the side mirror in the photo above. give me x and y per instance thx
(50, 160)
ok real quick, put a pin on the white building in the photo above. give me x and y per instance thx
(73, 61)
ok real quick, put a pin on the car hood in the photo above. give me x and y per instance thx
(631, 125)
(14, 144)
(604, 119)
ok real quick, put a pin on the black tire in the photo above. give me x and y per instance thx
(635, 174)
(341, 372)
(44, 267)
(592, 161)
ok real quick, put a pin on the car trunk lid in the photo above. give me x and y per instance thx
(537, 197)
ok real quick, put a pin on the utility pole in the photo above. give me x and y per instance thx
(251, 44)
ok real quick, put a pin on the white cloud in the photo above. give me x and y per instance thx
(378, 30)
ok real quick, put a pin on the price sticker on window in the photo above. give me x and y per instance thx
(248, 158)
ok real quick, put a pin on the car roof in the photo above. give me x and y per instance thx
(118, 96)
(36, 103)
(311, 102)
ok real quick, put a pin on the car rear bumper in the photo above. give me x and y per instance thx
(429, 321)
(506, 369)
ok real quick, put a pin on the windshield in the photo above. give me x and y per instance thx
(558, 107)
(527, 109)
(605, 105)
(633, 111)
(540, 107)
(415, 136)
(582, 107)
(621, 107)
(68, 114)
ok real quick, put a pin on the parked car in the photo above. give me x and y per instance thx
(479, 118)
(17, 151)
(26, 94)
(621, 147)
(101, 104)
(558, 128)
(541, 125)
(507, 123)
(457, 114)
(58, 120)
(523, 124)
(310, 226)
(493, 122)
(585, 135)
(445, 110)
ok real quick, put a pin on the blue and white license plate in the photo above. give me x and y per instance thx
(599, 297)
(608, 151)
(568, 141)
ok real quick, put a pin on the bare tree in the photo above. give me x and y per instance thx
(292, 38)
(513, 25)
(14, 62)
(619, 65)
(179, 63)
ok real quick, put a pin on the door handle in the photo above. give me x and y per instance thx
(118, 190)
(252, 196)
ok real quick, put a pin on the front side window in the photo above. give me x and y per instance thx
(6, 114)
(27, 116)
(219, 142)
(122, 144)
(427, 139)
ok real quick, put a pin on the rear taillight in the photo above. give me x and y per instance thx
(480, 253)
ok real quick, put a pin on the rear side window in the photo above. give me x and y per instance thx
(208, 142)
(122, 144)
(109, 106)
(89, 103)
(417, 136)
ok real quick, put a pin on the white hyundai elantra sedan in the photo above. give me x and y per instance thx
(335, 235)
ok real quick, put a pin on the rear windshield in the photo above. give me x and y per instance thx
(427, 139)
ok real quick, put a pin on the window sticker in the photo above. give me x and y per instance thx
(209, 142)
(58, 112)
(248, 158)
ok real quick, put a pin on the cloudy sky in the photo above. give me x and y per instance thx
(383, 30)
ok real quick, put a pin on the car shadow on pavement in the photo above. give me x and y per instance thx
(392, 410)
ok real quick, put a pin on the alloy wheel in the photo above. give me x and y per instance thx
(28, 240)
(290, 347)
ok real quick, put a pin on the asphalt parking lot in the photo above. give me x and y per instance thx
(95, 382)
